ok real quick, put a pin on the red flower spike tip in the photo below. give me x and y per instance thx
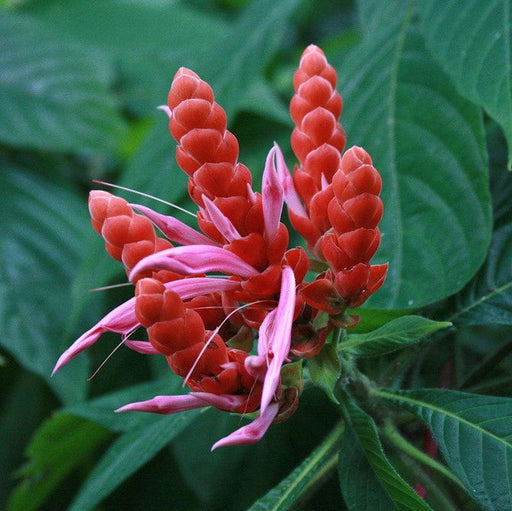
(129, 237)
(354, 212)
(317, 141)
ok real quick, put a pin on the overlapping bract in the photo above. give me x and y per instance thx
(205, 325)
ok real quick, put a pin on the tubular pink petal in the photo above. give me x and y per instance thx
(196, 259)
(165, 404)
(225, 402)
(291, 197)
(256, 366)
(195, 286)
(221, 221)
(252, 432)
(173, 229)
(121, 320)
(272, 196)
(264, 333)
(144, 347)
(280, 336)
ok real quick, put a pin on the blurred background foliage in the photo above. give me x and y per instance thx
(79, 86)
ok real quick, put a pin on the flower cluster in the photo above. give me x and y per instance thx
(206, 324)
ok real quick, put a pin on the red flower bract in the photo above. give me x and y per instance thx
(205, 325)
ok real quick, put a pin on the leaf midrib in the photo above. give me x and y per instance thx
(415, 402)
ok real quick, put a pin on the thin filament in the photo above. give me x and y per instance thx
(175, 206)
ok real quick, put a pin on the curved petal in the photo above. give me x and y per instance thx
(291, 197)
(121, 320)
(196, 259)
(272, 195)
(279, 339)
(221, 221)
(173, 229)
(252, 432)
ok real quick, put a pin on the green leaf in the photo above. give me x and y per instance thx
(304, 477)
(471, 41)
(61, 445)
(487, 299)
(397, 334)
(53, 96)
(145, 42)
(240, 58)
(428, 143)
(127, 454)
(153, 168)
(474, 434)
(325, 370)
(101, 409)
(44, 228)
(363, 465)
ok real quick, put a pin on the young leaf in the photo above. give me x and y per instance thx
(428, 143)
(127, 454)
(52, 96)
(293, 488)
(471, 41)
(474, 434)
(397, 334)
(44, 229)
(363, 465)
(61, 444)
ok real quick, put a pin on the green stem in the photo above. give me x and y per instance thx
(395, 438)
(434, 492)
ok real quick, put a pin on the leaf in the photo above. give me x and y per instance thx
(472, 44)
(153, 168)
(364, 465)
(43, 232)
(474, 434)
(145, 42)
(487, 299)
(237, 62)
(127, 454)
(101, 409)
(428, 143)
(295, 486)
(325, 370)
(397, 334)
(51, 460)
(53, 96)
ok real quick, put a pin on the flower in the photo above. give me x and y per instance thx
(204, 324)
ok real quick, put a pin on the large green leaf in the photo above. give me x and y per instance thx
(428, 143)
(236, 63)
(474, 434)
(487, 299)
(471, 41)
(293, 487)
(145, 41)
(397, 334)
(127, 454)
(151, 40)
(43, 229)
(363, 465)
(101, 409)
(53, 96)
(61, 445)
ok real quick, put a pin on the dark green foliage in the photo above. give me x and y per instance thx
(427, 91)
